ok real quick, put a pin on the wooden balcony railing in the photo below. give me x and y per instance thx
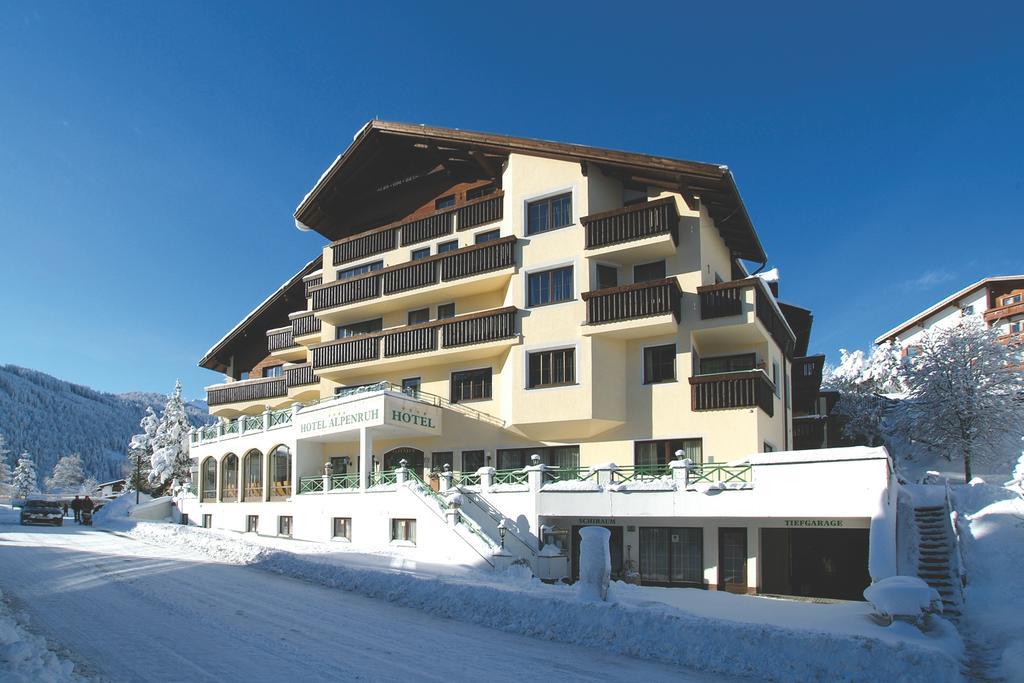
(246, 390)
(279, 339)
(809, 432)
(437, 224)
(300, 375)
(452, 265)
(629, 302)
(311, 281)
(635, 222)
(304, 323)
(474, 328)
(747, 389)
(1003, 312)
(726, 299)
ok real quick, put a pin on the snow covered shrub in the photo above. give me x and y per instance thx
(864, 383)
(903, 598)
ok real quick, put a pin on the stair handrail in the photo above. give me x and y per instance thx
(497, 517)
(958, 555)
(423, 492)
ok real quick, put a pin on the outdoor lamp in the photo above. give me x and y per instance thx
(535, 459)
(680, 454)
(502, 530)
(328, 468)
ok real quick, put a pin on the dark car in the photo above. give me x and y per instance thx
(42, 512)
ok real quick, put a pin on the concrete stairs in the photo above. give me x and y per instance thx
(935, 557)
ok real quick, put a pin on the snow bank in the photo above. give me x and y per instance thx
(649, 630)
(25, 658)
(115, 514)
(903, 597)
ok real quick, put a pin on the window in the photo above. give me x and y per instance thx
(549, 286)
(438, 459)
(403, 530)
(1016, 327)
(470, 385)
(809, 369)
(354, 271)
(411, 386)
(207, 521)
(672, 555)
(912, 351)
(659, 364)
(967, 310)
(551, 368)
(487, 236)
(445, 247)
(209, 476)
(565, 457)
(284, 525)
(339, 464)
(444, 202)
(472, 460)
(243, 375)
(1010, 300)
(656, 454)
(252, 476)
(342, 528)
(229, 478)
(252, 522)
(445, 311)
(420, 315)
(422, 253)
(549, 214)
(607, 276)
(737, 363)
(362, 327)
(273, 371)
(646, 272)
(281, 472)
(482, 191)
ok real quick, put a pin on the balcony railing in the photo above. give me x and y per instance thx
(809, 432)
(304, 323)
(246, 390)
(465, 262)
(631, 223)
(388, 237)
(311, 281)
(300, 375)
(280, 339)
(747, 389)
(726, 299)
(1003, 312)
(629, 302)
(475, 328)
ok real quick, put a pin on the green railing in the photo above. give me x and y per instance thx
(382, 479)
(641, 473)
(570, 474)
(345, 481)
(465, 479)
(509, 477)
(231, 427)
(253, 422)
(725, 474)
(210, 432)
(425, 488)
(311, 485)
(280, 417)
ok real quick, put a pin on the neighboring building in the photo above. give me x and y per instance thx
(109, 488)
(999, 301)
(543, 327)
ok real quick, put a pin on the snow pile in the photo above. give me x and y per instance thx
(573, 485)
(904, 598)
(659, 484)
(595, 563)
(24, 657)
(644, 629)
(115, 514)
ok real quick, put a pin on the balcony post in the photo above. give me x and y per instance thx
(241, 424)
(266, 418)
(365, 457)
(486, 477)
(220, 428)
(402, 472)
(445, 482)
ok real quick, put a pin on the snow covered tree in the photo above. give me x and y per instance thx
(964, 392)
(864, 384)
(68, 473)
(140, 452)
(5, 467)
(25, 476)
(170, 458)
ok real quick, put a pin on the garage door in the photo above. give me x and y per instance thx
(816, 563)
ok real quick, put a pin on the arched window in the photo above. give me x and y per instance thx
(280, 472)
(252, 476)
(209, 476)
(229, 478)
(413, 456)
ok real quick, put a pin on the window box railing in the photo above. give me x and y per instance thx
(300, 375)
(630, 223)
(280, 339)
(304, 323)
(726, 299)
(474, 328)
(246, 390)
(442, 222)
(629, 302)
(747, 389)
(453, 265)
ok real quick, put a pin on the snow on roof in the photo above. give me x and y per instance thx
(299, 224)
(928, 312)
(819, 455)
(770, 275)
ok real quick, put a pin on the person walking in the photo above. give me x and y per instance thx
(65, 508)
(76, 505)
(87, 508)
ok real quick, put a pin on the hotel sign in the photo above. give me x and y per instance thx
(375, 411)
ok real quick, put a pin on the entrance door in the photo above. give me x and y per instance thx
(413, 456)
(732, 560)
(614, 546)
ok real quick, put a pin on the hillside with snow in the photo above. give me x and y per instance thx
(50, 418)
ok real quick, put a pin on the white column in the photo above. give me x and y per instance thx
(365, 457)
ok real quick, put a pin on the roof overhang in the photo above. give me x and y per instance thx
(392, 168)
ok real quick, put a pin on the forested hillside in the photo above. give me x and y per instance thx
(49, 418)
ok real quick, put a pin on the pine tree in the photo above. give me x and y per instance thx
(140, 452)
(25, 476)
(5, 467)
(964, 392)
(68, 473)
(170, 459)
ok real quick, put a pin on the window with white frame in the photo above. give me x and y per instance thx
(403, 530)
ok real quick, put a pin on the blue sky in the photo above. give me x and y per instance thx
(151, 155)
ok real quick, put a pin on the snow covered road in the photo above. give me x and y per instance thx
(123, 610)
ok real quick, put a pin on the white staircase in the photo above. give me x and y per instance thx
(937, 560)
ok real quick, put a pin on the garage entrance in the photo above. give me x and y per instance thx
(815, 563)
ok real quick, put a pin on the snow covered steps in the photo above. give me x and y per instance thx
(934, 562)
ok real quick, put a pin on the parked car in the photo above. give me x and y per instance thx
(42, 512)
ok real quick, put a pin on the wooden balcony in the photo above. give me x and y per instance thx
(810, 432)
(462, 331)
(631, 223)
(300, 375)
(1003, 312)
(311, 281)
(246, 390)
(727, 299)
(449, 266)
(747, 389)
(304, 323)
(630, 302)
(437, 224)
(280, 339)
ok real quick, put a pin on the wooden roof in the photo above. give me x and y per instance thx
(392, 168)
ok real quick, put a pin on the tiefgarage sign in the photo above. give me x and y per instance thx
(823, 523)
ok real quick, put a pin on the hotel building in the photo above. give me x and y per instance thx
(505, 339)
